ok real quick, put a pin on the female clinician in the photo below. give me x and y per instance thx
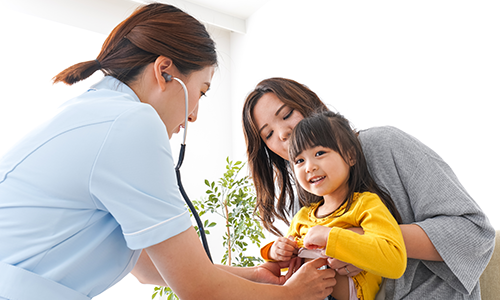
(91, 195)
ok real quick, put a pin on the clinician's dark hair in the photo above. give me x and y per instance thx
(266, 167)
(152, 30)
(331, 130)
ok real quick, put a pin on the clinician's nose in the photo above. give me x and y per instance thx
(193, 115)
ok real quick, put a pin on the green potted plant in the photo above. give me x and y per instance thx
(231, 197)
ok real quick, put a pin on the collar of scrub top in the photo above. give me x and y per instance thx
(111, 83)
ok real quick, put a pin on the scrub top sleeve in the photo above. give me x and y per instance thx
(134, 179)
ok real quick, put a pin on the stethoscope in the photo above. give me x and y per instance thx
(201, 230)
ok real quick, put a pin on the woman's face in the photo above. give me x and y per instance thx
(275, 122)
(197, 84)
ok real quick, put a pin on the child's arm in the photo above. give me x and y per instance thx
(381, 250)
(283, 249)
(317, 236)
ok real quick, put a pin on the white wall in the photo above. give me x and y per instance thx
(430, 68)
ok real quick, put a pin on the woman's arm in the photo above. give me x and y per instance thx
(418, 245)
(269, 272)
(146, 272)
(182, 263)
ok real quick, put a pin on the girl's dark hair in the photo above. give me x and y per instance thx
(152, 30)
(266, 167)
(331, 130)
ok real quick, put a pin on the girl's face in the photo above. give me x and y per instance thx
(275, 121)
(322, 172)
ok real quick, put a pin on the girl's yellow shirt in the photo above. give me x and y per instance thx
(380, 251)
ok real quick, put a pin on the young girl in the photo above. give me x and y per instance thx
(328, 162)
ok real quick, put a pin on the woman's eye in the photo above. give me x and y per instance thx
(203, 94)
(298, 161)
(268, 136)
(288, 114)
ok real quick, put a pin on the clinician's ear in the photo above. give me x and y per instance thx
(163, 65)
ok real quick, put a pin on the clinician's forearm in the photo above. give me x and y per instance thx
(248, 273)
(146, 272)
(183, 263)
(418, 245)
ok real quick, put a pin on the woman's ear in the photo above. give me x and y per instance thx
(163, 65)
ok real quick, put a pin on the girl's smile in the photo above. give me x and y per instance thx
(316, 180)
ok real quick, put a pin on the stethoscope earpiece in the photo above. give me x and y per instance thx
(167, 77)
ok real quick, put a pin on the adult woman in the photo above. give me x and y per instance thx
(85, 193)
(443, 227)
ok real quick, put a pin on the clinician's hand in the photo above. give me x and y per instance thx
(320, 282)
(270, 272)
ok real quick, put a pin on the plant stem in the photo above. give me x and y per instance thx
(228, 234)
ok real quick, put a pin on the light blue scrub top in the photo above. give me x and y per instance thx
(86, 191)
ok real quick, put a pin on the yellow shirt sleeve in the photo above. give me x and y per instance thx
(381, 250)
(264, 252)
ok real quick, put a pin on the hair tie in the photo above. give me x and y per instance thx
(98, 64)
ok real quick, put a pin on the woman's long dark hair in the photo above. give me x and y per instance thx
(152, 30)
(266, 167)
(331, 130)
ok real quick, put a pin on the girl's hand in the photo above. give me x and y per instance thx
(283, 249)
(317, 237)
(343, 268)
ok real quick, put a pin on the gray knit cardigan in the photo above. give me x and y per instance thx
(427, 193)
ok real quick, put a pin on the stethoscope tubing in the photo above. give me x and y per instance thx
(201, 229)
(186, 110)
